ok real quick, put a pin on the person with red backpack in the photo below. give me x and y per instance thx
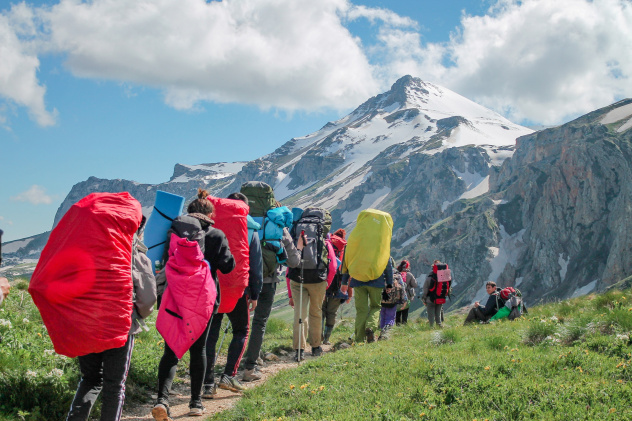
(244, 282)
(435, 290)
(484, 313)
(333, 296)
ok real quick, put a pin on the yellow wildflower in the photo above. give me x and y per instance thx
(612, 410)
(423, 414)
(487, 368)
(292, 386)
(39, 334)
(321, 388)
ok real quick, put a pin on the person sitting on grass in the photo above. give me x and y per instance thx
(484, 313)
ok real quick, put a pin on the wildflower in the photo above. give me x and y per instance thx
(292, 387)
(580, 369)
(513, 360)
(6, 323)
(56, 372)
(303, 386)
(514, 349)
(313, 391)
(431, 406)
(423, 414)
(487, 368)
(612, 410)
(554, 319)
(619, 381)
(31, 373)
(39, 334)
(321, 388)
(49, 351)
(25, 320)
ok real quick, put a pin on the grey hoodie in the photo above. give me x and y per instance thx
(144, 286)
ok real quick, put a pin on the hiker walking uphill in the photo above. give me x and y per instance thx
(333, 296)
(101, 296)
(196, 252)
(401, 317)
(240, 290)
(274, 251)
(435, 290)
(390, 300)
(484, 313)
(309, 282)
(367, 267)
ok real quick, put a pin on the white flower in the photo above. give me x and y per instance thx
(623, 337)
(56, 372)
(554, 319)
(6, 323)
(49, 351)
(31, 373)
(25, 320)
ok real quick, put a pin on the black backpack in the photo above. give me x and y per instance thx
(315, 223)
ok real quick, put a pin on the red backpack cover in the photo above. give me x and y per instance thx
(441, 288)
(230, 217)
(82, 284)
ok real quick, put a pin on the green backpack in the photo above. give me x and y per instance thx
(261, 199)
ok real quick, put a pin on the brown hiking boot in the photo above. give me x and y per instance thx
(370, 336)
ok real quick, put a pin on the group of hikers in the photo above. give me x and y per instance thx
(223, 257)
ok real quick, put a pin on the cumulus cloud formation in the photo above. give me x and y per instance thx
(536, 60)
(291, 54)
(18, 71)
(35, 195)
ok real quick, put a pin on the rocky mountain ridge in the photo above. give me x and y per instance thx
(445, 168)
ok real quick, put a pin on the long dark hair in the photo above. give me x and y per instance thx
(403, 266)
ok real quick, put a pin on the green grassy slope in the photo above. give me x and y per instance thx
(569, 360)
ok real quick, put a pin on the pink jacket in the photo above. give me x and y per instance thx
(187, 304)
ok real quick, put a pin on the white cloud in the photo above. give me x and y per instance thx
(539, 60)
(291, 54)
(18, 72)
(35, 195)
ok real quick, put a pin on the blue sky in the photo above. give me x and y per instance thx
(126, 89)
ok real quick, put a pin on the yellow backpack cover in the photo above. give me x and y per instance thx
(369, 245)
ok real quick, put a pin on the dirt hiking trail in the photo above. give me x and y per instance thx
(225, 399)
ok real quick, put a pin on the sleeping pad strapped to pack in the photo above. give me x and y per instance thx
(82, 284)
(230, 216)
(369, 245)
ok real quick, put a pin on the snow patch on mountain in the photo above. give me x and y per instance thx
(617, 114)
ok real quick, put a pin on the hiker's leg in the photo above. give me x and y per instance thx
(115, 367)
(300, 311)
(90, 385)
(361, 298)
(439, 314)
(375, 305)
(259, 321)
(166, 373)
(197, 363)
(330, 309)
(316, 296)
(389, 317)
(431, 308)
(398, 318)
(211, 343)
(471, 316)
(478, 314)
(240, 321)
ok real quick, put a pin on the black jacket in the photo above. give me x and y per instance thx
(494, 303)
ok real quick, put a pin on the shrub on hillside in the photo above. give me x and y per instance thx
(538, 331)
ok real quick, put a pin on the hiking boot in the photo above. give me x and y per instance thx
(299, 356)
(251, 375)
(370, 336)
(209, 391)
(230, 383)
(317, 351)
(196, 409)
(327, 334)
(160, 412)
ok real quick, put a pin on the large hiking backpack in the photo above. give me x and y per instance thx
(513, 307)
(315, 223)
(82, 284)
(369, 245)
(440, 288)
(167, 207)
(397, 296)
(261, 200)
(230, 216)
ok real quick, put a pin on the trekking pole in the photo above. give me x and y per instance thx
(218, 351)
(300, 303)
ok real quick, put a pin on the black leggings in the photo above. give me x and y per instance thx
(240, 322)
(402, 316)
(197, 367)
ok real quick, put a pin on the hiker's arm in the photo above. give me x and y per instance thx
(411, 280)
(4, 288)
(488, 308)
(426, 289)
(217, 251)
(255, 273)
(144, 285)
(293, 254)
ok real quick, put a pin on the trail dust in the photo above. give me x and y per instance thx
(225, 399)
